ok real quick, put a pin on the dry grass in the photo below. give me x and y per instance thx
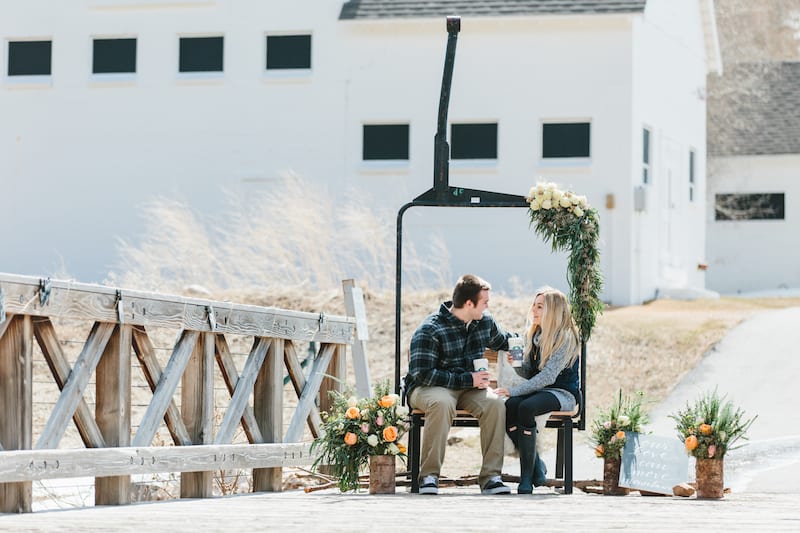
(292, 235)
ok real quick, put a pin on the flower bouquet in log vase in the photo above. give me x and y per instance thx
(709, 428)
(362, 433)
(609, 429)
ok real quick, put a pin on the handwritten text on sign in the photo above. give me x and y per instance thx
(651, 463)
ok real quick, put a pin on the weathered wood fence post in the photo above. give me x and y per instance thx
(16, 401)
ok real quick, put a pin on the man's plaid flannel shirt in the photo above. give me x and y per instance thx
(443, 347)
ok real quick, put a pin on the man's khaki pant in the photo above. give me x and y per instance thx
(440, 404)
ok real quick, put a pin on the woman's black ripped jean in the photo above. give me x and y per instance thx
(521, 410)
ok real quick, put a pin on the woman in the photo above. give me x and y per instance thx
(550, 366)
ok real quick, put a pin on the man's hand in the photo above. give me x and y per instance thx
(480, 380)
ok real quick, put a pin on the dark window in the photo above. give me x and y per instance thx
(388, 141)
(29, 58)
(473, 141)
(201, 54)
(288, 51)
(645, 156)
(763, 206)
(114, 56)
(691, 175)
(565, 140)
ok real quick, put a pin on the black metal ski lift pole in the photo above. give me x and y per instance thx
(442, 194)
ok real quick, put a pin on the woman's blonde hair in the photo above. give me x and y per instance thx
(556, 326)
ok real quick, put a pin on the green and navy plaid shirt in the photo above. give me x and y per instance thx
(443, 347)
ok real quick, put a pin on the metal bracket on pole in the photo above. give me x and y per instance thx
(44, 290)
(118, 305)
(212, 318)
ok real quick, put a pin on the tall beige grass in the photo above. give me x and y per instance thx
(294, 235)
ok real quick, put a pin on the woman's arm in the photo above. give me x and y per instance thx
(546, 376)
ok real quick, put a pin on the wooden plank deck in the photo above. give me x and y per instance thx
(462, 508)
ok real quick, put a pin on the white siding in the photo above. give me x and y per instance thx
(79, 156)
(754, 255)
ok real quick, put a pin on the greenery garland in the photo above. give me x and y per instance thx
(566, 221)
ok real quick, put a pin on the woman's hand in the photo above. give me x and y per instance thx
(502, 392)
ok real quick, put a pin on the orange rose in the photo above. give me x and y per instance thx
(620, 435)
(352, 413)
(599, 450)
(386, 401)
(390, 434)
(350, 438)
(705, 429)
(691, 442)
(402, 447)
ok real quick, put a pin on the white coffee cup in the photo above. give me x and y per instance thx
(515, 348)
(481, 364)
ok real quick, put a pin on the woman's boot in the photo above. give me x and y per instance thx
(539, 472)
(527, 456)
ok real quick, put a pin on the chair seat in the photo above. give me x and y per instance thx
(555, 416)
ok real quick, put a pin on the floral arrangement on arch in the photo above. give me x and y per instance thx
(710, 426)
(569, 223)
(355, 429)
(608, 429)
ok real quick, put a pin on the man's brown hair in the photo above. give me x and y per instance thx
(467, 289)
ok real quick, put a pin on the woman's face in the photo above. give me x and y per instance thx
(537, 310)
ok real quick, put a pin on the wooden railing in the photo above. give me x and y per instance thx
(183, 399)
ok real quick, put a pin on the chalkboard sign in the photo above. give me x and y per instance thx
(651, 463)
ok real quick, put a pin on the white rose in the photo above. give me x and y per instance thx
(535, 206)
(539, 188)
(372, 440)
(578, 211)
(564, 202)
(352, 401)
(583, 202)
(532, 192)
(557, 195)
(624, 420)
(546, 204)
(548, 194)
(576, 200)
(401, 410)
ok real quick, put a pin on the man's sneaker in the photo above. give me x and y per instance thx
(495, 486)
(429, 485)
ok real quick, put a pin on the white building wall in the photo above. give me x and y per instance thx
(86, 154)
(80, 156)
(668, 236)
(754, 255)
(518, 73)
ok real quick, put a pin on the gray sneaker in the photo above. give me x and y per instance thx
(429, 485)
(495, 486)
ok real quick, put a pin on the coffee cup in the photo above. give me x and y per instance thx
(515, 348)
(481, 364)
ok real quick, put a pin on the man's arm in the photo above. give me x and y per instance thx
(426, 351)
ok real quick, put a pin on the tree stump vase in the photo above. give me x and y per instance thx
(382, 474)
(708, 474)
(611, 468)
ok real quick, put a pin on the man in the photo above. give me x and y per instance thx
(441, 379)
